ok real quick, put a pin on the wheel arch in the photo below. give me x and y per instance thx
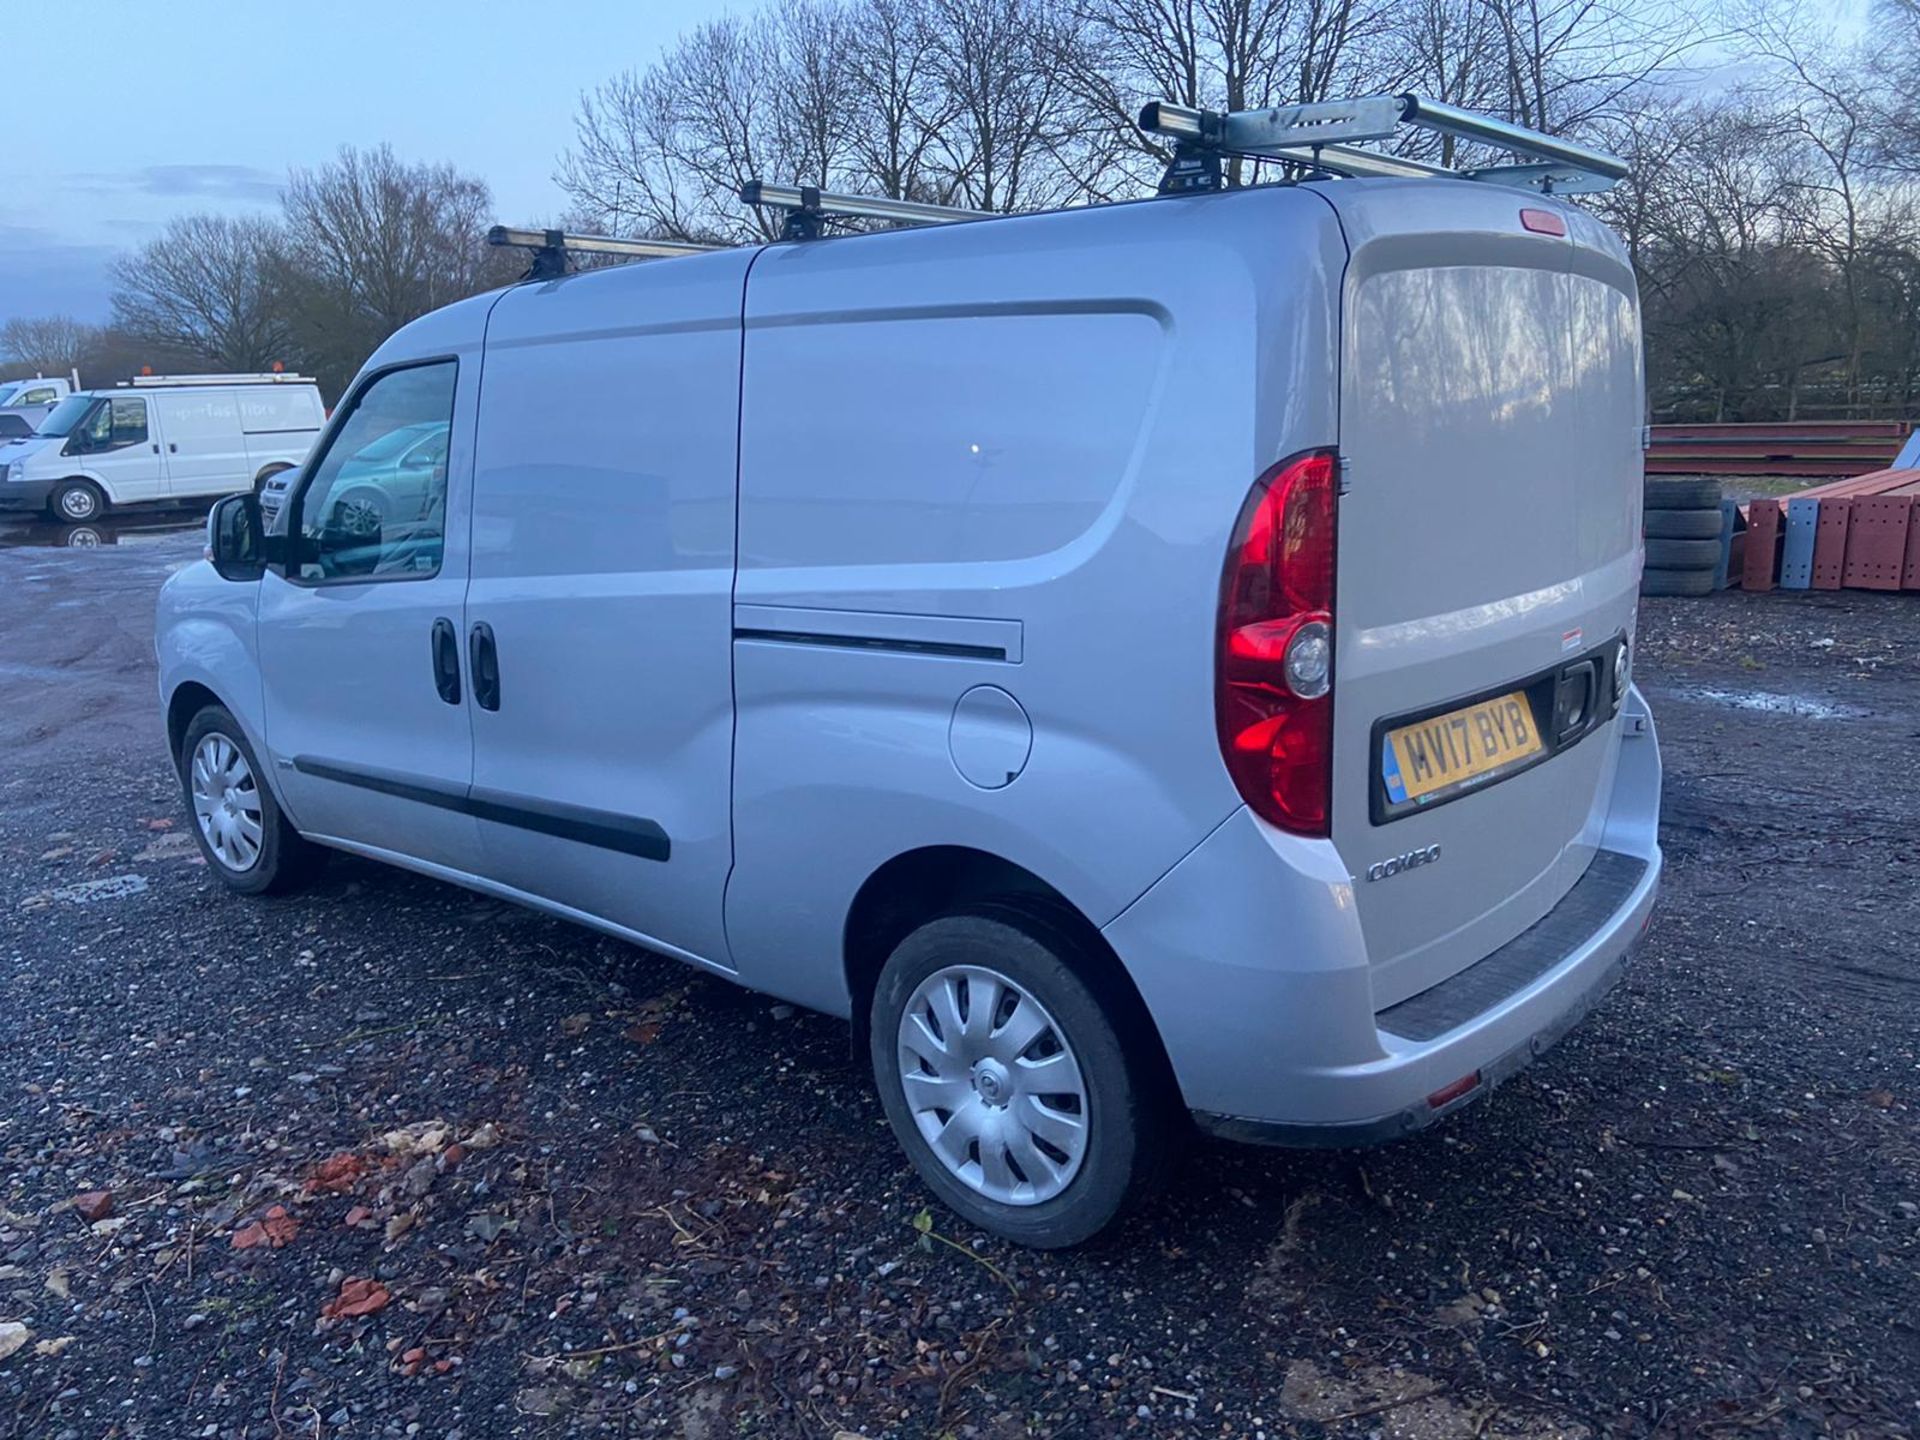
(923, 884)
(188, 699)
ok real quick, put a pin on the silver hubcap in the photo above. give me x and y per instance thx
(993, 1085)
(226, 802)
(77, 504)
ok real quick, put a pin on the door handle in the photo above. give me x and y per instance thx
(172, 449)
(156, 447)
(483, 660)
(446, 661)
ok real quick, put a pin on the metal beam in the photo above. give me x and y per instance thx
(594, 244)
(1452, 120)
(809, 200)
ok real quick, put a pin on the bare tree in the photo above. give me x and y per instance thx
(1891, 69)
(1228, 54)
(903, 106)
(1012, 138)
(48, 345)
(371, 243)
(204, 288)
(663, 151)
(943, 100)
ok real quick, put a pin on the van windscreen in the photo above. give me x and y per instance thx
(62, 419)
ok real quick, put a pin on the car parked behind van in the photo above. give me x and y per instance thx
(161, 439)
(1153, 666)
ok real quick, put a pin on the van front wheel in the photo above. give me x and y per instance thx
(245, 838)
(1007, 1082)
(77, 501)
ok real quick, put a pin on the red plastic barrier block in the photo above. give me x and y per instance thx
(1830, 543)
(1877, 542)
(1763, 543)
(1910, 577)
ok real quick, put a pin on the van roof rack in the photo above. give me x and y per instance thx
(1315, 136)
(182, 382)
(809, 208)
(552, 248)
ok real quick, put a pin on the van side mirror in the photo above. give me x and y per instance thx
(237, 541)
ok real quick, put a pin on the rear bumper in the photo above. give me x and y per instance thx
(1258, 978)
(1481, 1045)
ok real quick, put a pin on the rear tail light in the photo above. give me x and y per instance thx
(1274, 701)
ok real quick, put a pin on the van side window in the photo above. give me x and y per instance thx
(114, 425)
(375, 506)
(45, 395)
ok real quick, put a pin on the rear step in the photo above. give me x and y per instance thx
(1609, 880)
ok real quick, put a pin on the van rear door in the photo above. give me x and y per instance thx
(1488, 560)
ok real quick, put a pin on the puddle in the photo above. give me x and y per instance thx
(1767, 703)
(137, 528)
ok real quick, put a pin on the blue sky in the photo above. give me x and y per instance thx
(195, 105)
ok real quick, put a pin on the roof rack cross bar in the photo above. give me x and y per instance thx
(1315, 136)
(808, 206)
(551, 248)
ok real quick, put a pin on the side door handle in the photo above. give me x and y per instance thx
(446, 661)
(483, 660)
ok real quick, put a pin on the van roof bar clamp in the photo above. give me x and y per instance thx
(553, 250)
(809, 208)
(1318, 136)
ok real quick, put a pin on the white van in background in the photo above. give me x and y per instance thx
(164, 438)
(42, 392)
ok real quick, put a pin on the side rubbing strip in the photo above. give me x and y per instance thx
(605, 829)
(893, 632)
(876, 642)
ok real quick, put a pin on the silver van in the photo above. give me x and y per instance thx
(1148, 666)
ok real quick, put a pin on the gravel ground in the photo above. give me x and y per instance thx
(390, 1159)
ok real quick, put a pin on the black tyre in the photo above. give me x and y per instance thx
(1683, 495)
(1683, 554)
(1682, 524)
(76, 502)
(236, 821)
(1676, 582)
(1029, 1106)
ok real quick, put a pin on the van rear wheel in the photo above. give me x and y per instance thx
(241, 831)
(1007, 1082)
(77, 501)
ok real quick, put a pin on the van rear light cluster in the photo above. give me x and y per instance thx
(1274, 679)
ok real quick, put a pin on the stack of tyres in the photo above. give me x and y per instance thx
(1682, 525)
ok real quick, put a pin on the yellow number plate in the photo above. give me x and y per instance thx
(1447, 751)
